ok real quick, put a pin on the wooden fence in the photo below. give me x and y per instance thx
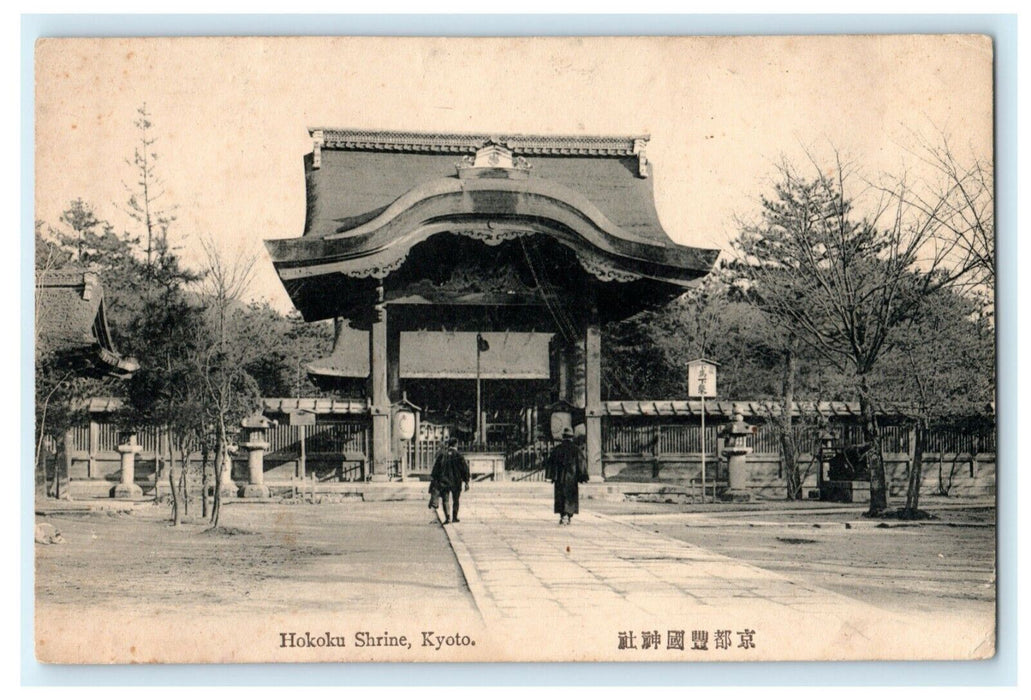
(684, 438)
(619, 439)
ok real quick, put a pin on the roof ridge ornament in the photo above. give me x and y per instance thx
(493, 160)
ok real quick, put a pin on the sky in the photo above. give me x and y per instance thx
(231, 116)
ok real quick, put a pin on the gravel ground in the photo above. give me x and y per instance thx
(336, 557)
(272, 558)
(942, 565)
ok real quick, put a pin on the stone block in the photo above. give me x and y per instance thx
(736, 496)
(255, 491)
(126, 491)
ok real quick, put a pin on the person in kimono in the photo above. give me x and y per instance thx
(567, 469)
(450, 471)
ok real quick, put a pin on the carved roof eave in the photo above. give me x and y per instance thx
(380, 246)
(452, 143)
(420, 142)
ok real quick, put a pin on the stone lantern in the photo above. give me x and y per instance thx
(736, 450)
(827, 450)
(255, 441)
(128, 449)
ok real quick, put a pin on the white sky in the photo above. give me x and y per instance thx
(231, 115)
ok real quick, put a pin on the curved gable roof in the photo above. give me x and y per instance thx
(371, 196)
(351, 175)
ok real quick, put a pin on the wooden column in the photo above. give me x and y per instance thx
(94, 446)
(416, 462)
(593, 409)
(394, 362)
(578, 374)
(564, 383)
(66, 448)
(380, 401)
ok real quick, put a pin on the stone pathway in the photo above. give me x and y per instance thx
(518, 560)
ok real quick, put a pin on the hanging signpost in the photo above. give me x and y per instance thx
(701, 383)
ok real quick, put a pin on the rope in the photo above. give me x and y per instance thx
(564, 326)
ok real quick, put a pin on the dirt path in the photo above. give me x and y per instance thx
(127, 587)
(268, 558)
(946, 565)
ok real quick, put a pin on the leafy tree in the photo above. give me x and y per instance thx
(719, 320)
(281, 370)
(91, 243)
(83, 223)
(164, 392)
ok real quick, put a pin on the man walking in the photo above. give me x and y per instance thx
(567, 470)
(450, 471)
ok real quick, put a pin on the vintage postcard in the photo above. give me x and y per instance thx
(526, 349)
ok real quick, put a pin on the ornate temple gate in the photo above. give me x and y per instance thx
(417, 243)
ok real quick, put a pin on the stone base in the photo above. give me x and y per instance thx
(126, 491)
(379, 477)
(255, 491)
(736, 496)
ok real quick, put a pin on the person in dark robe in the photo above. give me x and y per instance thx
(566, 469)
(450, 471)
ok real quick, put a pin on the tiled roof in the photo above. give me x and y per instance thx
(335, 407)
(67, 304)
(330, 406)
(749, 409)
(357, 178)
(70, 320)
(372, 196)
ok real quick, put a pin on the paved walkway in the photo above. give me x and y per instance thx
(516, 558)
(606, 577)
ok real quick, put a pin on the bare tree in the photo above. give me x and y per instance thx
(844, 284)
(231, 392)
(959, 200)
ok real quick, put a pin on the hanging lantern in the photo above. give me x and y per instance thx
(404, 423)
(561, 418)
(405, 419)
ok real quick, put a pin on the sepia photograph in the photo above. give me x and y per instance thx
(438, 349)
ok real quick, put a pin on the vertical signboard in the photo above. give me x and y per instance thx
(701, 379)
(701, 383)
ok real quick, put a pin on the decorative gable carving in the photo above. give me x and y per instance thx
(494, 159)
